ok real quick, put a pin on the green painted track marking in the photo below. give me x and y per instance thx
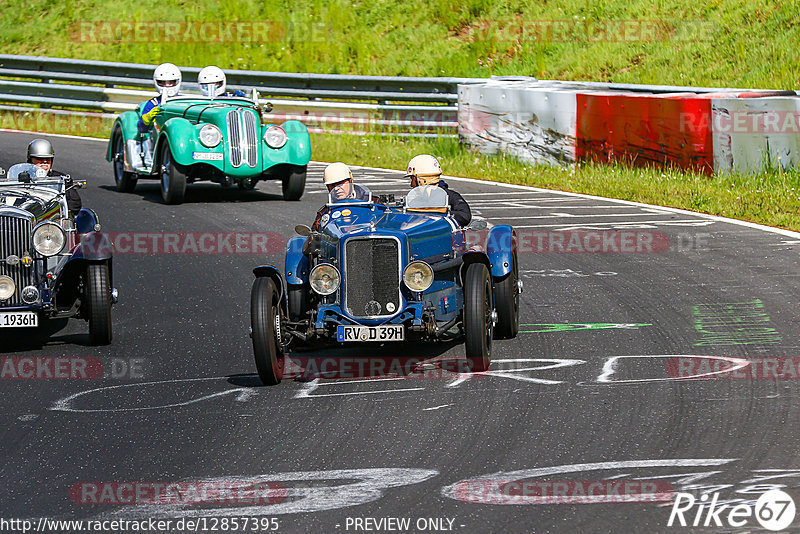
(570, 327)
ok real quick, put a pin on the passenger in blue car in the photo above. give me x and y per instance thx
(212, 83)
(425, 170)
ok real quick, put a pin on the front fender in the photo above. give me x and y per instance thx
(126, 123)
(86, 220)
(68, 279)
(296, 151)
(272, 272)
(501, 247)
(296, 262)
(95, 246)
(181, 136)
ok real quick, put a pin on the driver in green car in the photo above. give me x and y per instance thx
(212, 83)
(167, 79)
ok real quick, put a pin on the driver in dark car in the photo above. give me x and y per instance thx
(41, 154)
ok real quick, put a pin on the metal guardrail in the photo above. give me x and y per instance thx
(325, 102)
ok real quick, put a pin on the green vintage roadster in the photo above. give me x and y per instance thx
(224, 140)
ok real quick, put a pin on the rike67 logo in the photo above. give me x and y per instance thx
(774, 510)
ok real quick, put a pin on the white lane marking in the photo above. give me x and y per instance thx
(436, 407)
(715, 218)
(572, 226)
(28, 417)
(102, 140)
(461, 490)
(550, 363)
(313, 385)
(369, 486)
(573, 215)
(495, 206)
(610, 368)
(65, 404)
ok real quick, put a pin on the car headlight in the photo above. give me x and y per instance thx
(49, 239)
(324, 279)
(418, 276)
(7, 287)
(275, 136)
(210, 136)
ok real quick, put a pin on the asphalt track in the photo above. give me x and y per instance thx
(594, 401)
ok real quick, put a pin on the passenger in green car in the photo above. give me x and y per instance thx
(212, 83)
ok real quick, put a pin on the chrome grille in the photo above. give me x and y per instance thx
(373, 276)
(242, 137)
(15, 238)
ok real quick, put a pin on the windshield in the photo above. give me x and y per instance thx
(427, 197)
(349, 192)
(33, 171)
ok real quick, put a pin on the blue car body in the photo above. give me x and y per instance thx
(371, 244)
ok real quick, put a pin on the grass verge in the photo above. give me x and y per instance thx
(770, 198)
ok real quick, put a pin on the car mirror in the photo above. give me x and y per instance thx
(302, 230)
(2, 171)
(24, 178)
(479, 224)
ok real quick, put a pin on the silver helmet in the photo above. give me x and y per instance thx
(40, 148)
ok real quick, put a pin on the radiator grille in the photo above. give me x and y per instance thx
(373, 276)
(242, 138)
(15, 238)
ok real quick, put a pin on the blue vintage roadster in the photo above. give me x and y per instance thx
(384, 273)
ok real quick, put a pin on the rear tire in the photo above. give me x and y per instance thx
(264, 311)
(478, 324)
(173, 181)
(294, 182)
(126, 181)
(506, 293)
(99, 297)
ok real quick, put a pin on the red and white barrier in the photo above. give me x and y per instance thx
(540, 122)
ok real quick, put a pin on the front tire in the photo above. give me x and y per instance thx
(264, 317)
(478, 321)
(173, 181)
(294, 182)
(99, 299)
(506, 293)
(126, 181)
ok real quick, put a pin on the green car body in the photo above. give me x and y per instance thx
(242, 155)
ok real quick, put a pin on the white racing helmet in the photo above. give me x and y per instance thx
(425, 168)
(212, 81)
(167, 78)
(336, 172)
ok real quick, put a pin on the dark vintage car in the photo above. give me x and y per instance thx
(386, 273)
(51, 264)
(228, 140)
